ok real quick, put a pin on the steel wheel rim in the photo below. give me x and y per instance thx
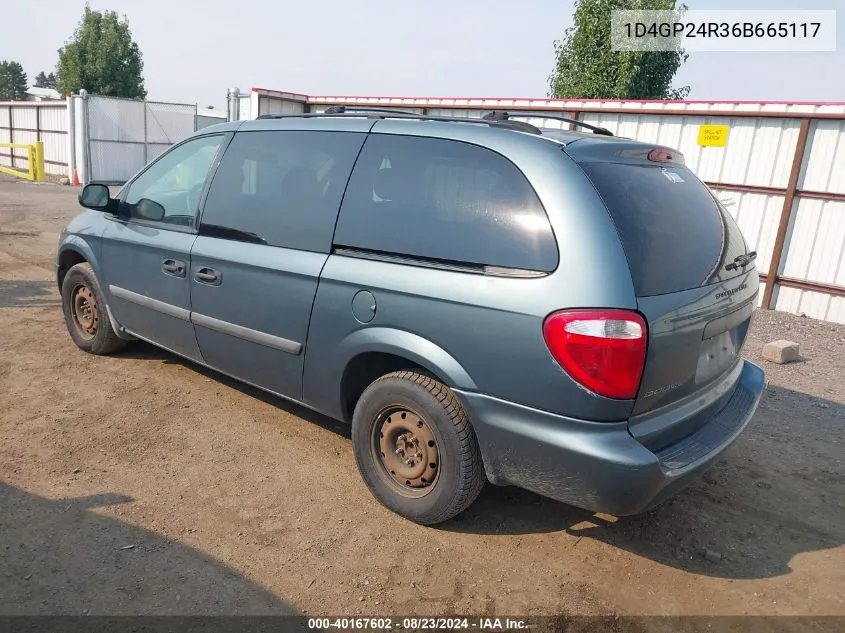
(85, 314)
(406, 449)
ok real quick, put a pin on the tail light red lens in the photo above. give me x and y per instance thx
(659, 155)
(603, 350)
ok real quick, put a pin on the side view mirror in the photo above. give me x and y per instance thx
(147, 209)
(96, 197)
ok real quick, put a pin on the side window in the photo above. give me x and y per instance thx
(169, 190)
(281, 188)
(445, 200)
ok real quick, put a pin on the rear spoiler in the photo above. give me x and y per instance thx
(617, 150)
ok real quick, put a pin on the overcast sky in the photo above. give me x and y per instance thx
(193, 50)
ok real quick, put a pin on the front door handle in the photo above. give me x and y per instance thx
(173, 267)
(208, 276)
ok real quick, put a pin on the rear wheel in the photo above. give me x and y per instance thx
(86, 317)
(416, 449)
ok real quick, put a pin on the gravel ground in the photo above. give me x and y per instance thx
(143, 484)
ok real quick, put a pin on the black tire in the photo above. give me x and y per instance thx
(86, 317)
(434, 408)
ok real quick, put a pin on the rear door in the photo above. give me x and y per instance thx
(695, 280)
(442, 251)
(265, 234)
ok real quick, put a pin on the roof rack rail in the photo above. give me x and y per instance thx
(339, 109)
(516, 125)
(499, 115)
(384, 113)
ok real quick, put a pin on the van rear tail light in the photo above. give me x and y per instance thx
(603, 350)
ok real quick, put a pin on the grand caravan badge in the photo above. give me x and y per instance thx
(728, 293)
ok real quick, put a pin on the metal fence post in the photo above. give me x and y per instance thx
(234, 103)
(71, 144)
(86, 138)
(146, 131)
(786, 214)
(11, 137)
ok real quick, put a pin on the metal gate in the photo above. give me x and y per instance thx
(120, 136)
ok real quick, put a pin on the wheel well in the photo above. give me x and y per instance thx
(365, 368)
(68, 260)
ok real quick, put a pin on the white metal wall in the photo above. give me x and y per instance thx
(825, 162)
(205, 120)
(815, 244)
(53, 122)
(246, 108)
(260, 102)
(559, 105)
(322, 108)
(278, 106)
(25, 122)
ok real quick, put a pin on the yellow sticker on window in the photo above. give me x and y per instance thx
(713, 135)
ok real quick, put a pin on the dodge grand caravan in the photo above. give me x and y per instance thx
(481, 299)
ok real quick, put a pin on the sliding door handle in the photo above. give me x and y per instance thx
(208, 276)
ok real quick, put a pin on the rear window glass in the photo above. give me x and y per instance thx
(444, 200)
(675, 234)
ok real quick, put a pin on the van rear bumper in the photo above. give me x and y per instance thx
(599, 466)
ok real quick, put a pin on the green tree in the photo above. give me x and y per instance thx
(102, 58)
(587, 68)
(43, 80)
(13, 83)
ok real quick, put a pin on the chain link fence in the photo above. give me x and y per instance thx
(123, 135)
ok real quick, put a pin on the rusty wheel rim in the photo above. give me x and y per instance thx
(406, 447)
(85, 311)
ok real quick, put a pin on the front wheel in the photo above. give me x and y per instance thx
(86, 317)
(416, 449)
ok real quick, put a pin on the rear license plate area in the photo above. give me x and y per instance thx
(720, 352)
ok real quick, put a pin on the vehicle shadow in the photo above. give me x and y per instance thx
(778, 492)
(141, 350)
(28, 294)
(62, 558)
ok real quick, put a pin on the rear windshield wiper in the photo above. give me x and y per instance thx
(741, 261)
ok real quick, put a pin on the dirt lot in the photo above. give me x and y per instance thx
(141, 483)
